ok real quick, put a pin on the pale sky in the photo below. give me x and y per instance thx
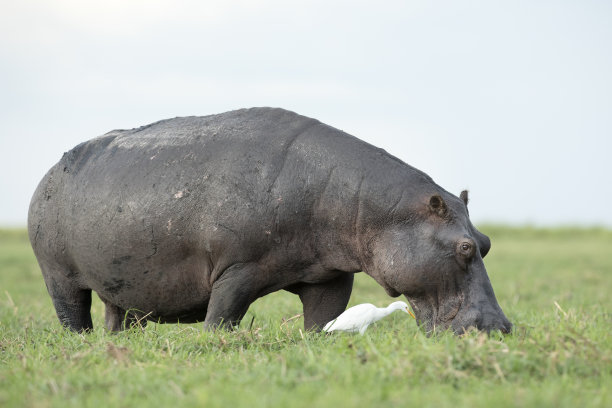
(512, 100)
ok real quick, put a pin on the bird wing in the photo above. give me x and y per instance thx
(352, 319)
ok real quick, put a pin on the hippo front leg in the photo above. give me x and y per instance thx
(232, 294)
(323, 302)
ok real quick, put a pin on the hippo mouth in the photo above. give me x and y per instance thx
(433, 313)
(457, 315)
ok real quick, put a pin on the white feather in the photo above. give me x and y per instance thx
(358, 318)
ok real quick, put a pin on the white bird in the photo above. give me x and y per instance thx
(358, 318)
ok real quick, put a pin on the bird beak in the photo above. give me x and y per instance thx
(410, 313)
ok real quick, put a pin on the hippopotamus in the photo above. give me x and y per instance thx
(192, 219)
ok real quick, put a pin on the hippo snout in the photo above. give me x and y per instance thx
(490, 321)
(483, 320)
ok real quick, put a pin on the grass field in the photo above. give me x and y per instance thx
(554, 285)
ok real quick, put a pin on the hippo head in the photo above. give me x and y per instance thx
(434, 256)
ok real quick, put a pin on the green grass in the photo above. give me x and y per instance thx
(553, 284)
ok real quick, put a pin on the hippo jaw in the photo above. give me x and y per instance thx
(436, 311)
(431, 317)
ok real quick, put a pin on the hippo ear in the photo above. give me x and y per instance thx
(464, 197)
(437, 205)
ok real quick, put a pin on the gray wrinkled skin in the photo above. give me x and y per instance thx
(192, 219)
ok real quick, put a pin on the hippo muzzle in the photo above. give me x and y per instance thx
(472, 303)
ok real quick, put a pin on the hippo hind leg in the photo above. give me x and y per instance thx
(325, 301)
(71, 301)
(118, 319)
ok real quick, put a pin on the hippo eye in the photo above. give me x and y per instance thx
(465, 248)
(465, 252)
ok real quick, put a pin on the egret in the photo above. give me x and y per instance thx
(358, 318)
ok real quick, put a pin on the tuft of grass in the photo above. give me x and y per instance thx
(552, 284)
